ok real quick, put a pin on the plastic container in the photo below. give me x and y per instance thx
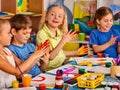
(110, 84)
(103, 84)
(108, 64)
(15, 84)
(89, 64)
(81, 71)
(100, 55)
(83, 83)
(59, 81)
(107, 88)
(118, 76)
(42, 87)
(116, 85)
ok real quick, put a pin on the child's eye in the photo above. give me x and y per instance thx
(52, 14)
(105, 20)
(24, 33)
(60, 16)
(111, 20)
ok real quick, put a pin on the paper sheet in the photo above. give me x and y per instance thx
(96, 69)
(43, 79)
(93, 60)
(67, 66)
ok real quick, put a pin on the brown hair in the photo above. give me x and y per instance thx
(20, 21)
(101, 12)
(63, 27)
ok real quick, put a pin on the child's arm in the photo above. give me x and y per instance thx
(81, 51)
(118, 48)
(24, 66)
(101, 48)
(44, 61)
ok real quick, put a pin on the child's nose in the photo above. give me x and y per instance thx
(11, 35)
(56, 16)
(28, 36)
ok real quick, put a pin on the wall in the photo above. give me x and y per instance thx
(106, 2)
(67, 3)
(70, 3)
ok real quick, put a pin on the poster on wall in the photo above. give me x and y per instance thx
(22, 5)
(116, 11)
(83, 15)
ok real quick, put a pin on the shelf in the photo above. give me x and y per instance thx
(36, 6)
(33, 6)
(8, 17)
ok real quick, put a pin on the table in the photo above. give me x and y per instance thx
(107, 78)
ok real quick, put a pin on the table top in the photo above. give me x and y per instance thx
(50, 76)
(107, 79)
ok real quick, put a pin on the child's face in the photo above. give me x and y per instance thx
(22, 36)
(55, 17)
(5, 34)
(106, 22)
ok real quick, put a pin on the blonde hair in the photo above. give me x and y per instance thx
(2, 21)
(62, 27)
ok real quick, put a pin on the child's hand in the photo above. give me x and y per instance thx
(69, 36)
(44, 61)
(45, 58)
(39, 53)
(46, 43)
(83, 50)
(112, 40)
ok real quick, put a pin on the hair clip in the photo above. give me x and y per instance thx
(50, 6)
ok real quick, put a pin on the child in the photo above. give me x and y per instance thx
(21, 29)
(8, 67)
(104, 39)
(53, 26)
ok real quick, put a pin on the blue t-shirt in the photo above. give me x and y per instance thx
(24, 52)
(97, 37)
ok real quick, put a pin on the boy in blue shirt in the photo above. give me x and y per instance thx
(21, 27)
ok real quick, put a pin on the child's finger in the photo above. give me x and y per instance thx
(70, 32)
(111, 35)
(85, 50)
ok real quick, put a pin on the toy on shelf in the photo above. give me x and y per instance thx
(22, 5)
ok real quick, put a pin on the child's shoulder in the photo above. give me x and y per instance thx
(95, 31)
(29, 45)
(7, 51)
